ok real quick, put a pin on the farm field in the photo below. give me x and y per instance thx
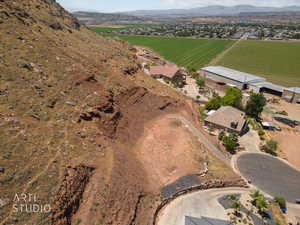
(276, 61)
(187, 52)
(108, 29)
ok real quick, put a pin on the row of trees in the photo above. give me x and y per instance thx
(233, 97)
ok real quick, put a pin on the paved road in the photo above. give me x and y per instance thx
(271, 175)
(204, 140)
(197, 204)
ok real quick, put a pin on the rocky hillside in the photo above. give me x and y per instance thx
(72, 104)
(73, 109)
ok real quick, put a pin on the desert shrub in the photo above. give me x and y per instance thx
(221, 135)
(280, 201)
(261, 133)
(270, 147)
(195, 75)
(200, 83)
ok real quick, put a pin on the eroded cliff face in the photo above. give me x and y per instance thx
(72, 106)
(69, 195)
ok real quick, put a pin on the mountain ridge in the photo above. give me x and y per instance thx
(213, 10)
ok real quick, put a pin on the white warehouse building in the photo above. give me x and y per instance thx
(225, 75)
(241, 80)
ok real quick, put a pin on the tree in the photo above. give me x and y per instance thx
(262, 204)
(255, 105)
(214, 103)
(255, 194)
(230, 142)
(233, 97)
(237, 207)
(200, 83)
(296, 36)
(259, 201)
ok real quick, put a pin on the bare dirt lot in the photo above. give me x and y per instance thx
(289, 142)
(289, 138)
(293, 110)
(169, 151)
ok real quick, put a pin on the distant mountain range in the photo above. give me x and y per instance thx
(102, 18)
(215, 10)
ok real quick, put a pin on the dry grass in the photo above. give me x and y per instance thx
(218, 169)
(279, 217)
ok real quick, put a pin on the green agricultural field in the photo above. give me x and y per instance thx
(106, 29)
(279, 62)
(187, 52)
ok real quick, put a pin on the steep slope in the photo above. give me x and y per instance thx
(68, 98)
(73, 107)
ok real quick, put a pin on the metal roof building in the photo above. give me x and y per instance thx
(235, 75)
(292, 94)
(294, 89)
(270, 86)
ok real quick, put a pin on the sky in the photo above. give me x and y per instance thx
(128, 5)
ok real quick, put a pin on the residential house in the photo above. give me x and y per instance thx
(228, 119)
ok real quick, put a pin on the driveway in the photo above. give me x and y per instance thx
(196, 205)
(250, 141)
(271, 175)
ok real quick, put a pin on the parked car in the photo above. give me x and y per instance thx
(286, 121)
(297, 201)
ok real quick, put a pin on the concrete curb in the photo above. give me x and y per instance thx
(239, 183)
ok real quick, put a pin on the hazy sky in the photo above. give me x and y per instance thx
(124, 5)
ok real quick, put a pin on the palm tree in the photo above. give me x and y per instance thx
(262, 204)
(259, 201)
(237, 207)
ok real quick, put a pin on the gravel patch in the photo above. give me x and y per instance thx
(180, 185)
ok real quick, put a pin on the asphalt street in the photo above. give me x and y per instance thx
(271, 175)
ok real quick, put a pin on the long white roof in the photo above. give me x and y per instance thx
(233, 74)
(270, 86)
(294, 89)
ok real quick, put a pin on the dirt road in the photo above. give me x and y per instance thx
(204, 140)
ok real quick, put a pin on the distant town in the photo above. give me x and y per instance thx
(218, 30)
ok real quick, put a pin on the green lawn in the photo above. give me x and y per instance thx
(185, 52)
(279, 62)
